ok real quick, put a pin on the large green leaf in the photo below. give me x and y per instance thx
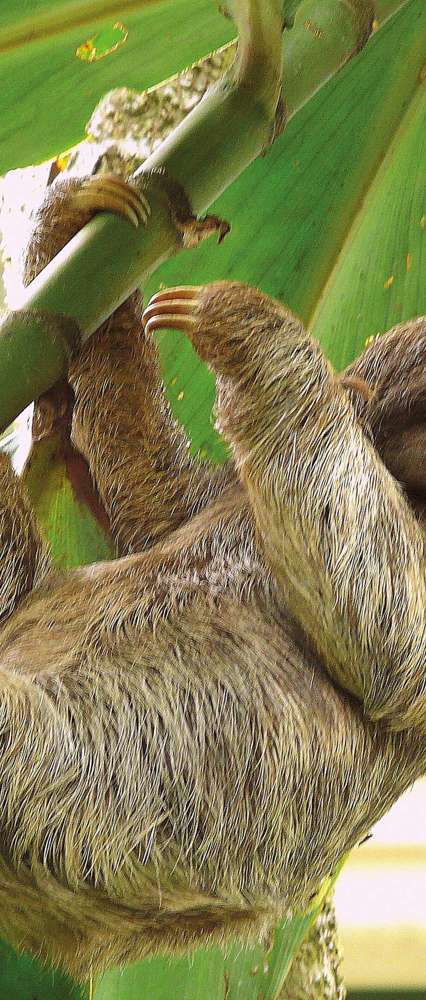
(326, 217)
(47, 93)
(378, 278)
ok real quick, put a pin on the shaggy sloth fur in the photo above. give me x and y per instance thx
(193, 735)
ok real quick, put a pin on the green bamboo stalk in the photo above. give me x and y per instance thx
(322, 40)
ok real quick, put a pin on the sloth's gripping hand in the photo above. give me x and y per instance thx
(336, 530)
(137, 454)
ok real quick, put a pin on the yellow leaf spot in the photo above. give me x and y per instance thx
(389, 281)
(370, 340)
(408, 262)
(84, 51)
(107, 40)
(174, 380)
(375, 25)
(423, 222)
(181, 396)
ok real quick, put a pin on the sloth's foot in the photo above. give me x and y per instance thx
(108, 193)
(226, 320)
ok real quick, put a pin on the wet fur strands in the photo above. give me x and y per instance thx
(193, 735)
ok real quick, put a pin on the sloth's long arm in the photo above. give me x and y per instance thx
(335, 527)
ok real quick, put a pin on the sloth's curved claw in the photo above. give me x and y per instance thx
(108, 193)
(174, 308)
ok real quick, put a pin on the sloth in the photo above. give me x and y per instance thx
(193, 735)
